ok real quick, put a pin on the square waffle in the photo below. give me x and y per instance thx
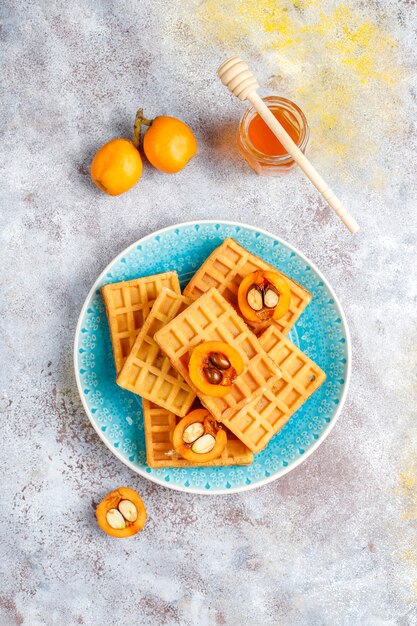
(159, 426)
(211, 318)
(147, 371)
(225, 269)
(263, 418)
(127, 306)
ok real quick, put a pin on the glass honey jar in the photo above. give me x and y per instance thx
(259, 146)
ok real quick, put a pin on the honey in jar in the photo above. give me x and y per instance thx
(258, 144)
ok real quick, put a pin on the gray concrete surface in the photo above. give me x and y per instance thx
(333, 542)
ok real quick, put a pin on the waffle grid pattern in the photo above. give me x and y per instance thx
(147, 371)
(225, 269)
(263, 418)
(128, 304)
(159, 425)
(211, 318)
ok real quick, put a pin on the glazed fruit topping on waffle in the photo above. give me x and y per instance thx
(214, 367)
(198, 437)
(264, 296)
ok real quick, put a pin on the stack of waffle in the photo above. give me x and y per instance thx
(154, 329)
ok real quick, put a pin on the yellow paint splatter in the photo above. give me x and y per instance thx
(337, 63)
(408, 484)
(408, 492)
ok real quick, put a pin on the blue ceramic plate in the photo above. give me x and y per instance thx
(321, 332)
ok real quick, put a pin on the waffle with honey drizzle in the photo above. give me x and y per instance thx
(225, 269)
(258, 422)
(127, 306)
(159, 425)
(212, 318)
(147, 371)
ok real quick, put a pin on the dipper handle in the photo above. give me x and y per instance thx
(240, 81)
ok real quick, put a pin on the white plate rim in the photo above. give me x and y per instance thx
(284, 470)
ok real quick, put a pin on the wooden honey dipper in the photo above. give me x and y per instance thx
(240, 81)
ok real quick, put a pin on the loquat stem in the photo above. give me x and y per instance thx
(139, 120)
